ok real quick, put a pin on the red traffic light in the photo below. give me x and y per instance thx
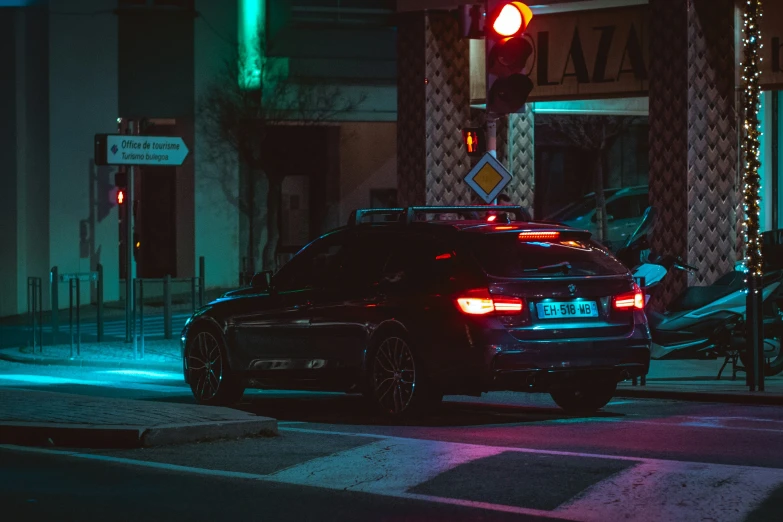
(512, 19)
(120, 196)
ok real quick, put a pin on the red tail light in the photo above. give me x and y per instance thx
(535, 236)
(480, 302)
(630, 300)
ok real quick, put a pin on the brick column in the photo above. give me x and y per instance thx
(693, 137)
(433, 105)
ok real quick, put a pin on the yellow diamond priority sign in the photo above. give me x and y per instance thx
(488, 178)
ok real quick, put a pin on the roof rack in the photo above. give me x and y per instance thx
(408, 214)
(357, 215)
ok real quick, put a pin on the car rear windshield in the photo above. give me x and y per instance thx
(505, 255)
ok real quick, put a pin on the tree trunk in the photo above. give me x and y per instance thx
(602, 223)
(251, 229)
(273, 203)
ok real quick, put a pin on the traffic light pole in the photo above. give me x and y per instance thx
(492, 135)
(492, 138)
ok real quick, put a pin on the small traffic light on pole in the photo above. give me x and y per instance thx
(474, 140)
(121, 182)
(507, 53)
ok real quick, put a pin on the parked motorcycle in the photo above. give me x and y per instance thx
(704, 322)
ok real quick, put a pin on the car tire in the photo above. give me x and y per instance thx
(396, 383)
(209, 375)
(585, 397)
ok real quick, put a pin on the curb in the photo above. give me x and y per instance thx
(758, 398)
(130, 437)
(87, 363)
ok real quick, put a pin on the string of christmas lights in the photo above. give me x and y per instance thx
(751, 42)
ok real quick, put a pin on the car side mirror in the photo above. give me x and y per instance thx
(261, 281)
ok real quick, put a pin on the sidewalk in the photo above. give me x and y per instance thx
(696, 381)
(36, 418)
(158, 354)
(678, 380)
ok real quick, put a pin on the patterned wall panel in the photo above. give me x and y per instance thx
(668, 143)
(693, 137)
(521, 147)
(411, 109)
(712, 139)
(447, 66)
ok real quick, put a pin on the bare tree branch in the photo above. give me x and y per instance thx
(235, 122)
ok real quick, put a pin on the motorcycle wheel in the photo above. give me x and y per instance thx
(773, 358)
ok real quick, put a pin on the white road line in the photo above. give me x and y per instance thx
(676, 491)
(652, 490)
(384, 466)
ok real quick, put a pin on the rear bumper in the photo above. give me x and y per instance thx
(542, 366)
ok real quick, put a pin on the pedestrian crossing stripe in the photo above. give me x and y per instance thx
(648, 490)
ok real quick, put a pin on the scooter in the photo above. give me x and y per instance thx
(704, 322)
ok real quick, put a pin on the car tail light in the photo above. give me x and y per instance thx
(480, 302)
(630, 300)
(492, 218)
(536, 236)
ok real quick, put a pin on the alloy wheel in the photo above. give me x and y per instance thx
(205, 366)
(394, 375)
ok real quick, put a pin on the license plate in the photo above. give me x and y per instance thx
(569, 309)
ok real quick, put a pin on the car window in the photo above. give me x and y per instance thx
(366, 253)
(504, 255)
(627, 207)
(418, 259)
(314, 265)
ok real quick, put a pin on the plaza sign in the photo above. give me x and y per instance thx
(118, 149)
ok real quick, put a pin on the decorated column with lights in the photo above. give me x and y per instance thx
(751, 72)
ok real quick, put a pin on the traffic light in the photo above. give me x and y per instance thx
(473, 138)
(121, 182)
(507, 53)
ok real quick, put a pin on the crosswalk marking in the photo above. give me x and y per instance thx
(651, 490)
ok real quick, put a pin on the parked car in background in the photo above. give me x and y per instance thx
(624, 211)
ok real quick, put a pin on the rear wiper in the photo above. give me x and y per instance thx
(564, 267)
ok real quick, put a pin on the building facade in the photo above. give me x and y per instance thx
(72, 68)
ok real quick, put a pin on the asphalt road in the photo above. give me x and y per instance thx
(504, 456)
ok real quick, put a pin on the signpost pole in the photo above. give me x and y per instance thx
(130, 263)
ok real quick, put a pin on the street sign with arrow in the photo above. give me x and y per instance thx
(118, 149)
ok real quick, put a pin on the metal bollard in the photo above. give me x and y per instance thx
(100, 302)
(54, 283)
(39, 301)
(167, 307)
(70, 313)
(133, 320)
(141, 318)
(78, 318)
(34, 311)
(193, 292)
(201, 279)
